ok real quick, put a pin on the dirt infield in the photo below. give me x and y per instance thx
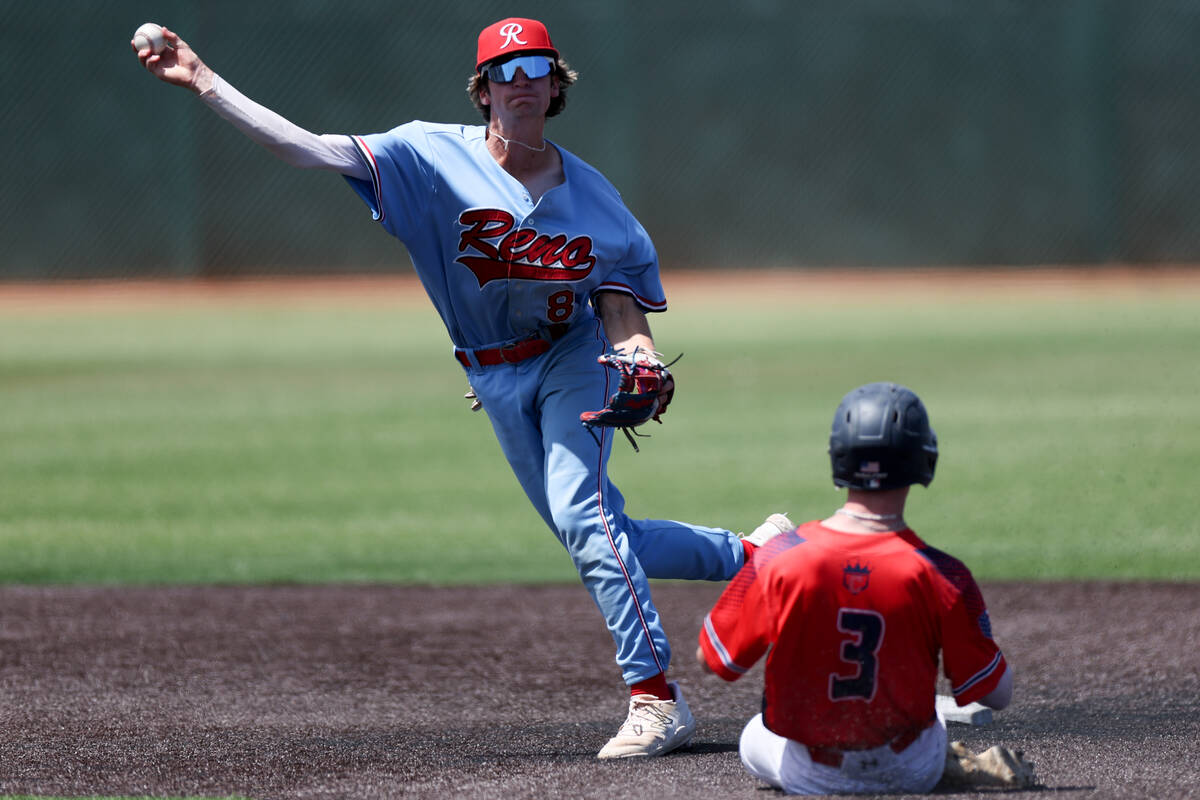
(508, 692)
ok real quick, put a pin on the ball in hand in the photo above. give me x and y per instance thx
(149, 35)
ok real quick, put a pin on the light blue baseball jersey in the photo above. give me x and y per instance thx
(497, 265)
(500, 267)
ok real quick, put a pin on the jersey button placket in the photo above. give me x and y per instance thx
(516, 300)
(518, 292)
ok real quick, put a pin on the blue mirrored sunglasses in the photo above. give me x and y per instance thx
(532, 66)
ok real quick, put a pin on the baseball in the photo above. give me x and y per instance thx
(149, 35)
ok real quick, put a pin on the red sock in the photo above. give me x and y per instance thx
(656, 686)
(749, 548)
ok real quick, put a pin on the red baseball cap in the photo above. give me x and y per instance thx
(513, 35)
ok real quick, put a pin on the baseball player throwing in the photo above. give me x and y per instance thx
(542, 278)
(854, 610)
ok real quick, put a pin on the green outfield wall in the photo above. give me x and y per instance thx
(761, 132)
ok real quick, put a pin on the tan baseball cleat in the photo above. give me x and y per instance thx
(654, 727)
(997, 766)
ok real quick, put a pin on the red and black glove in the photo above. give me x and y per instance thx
(645, 390)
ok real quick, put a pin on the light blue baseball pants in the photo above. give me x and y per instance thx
(534, 407)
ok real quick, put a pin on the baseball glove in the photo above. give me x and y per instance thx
(645, 390)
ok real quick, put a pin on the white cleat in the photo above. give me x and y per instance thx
(654, 727)
(775, 525)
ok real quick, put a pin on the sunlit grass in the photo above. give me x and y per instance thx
(300, 444)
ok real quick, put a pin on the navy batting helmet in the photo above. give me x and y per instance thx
(881, 439)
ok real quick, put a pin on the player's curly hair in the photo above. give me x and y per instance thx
(562, 71)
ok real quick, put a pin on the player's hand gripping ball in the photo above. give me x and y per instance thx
(645, 389)
(149, 35)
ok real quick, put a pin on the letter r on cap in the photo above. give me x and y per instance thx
(511, 33)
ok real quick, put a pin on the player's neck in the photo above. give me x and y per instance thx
(507, 144)
(521, 145)
(870, 512)
(524, 153)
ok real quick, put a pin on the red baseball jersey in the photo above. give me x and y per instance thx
(854, 624)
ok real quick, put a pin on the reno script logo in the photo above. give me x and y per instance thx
(494, 251)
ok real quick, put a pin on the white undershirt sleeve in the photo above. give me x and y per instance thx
(283, 138)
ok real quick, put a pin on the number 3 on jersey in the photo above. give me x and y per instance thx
(865, 629)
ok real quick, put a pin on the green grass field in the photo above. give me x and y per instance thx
(266, 443)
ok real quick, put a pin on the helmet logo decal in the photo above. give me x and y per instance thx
(871, 474)
(511, 33)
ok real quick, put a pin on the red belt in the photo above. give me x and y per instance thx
(512, 353)
(832, 757)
